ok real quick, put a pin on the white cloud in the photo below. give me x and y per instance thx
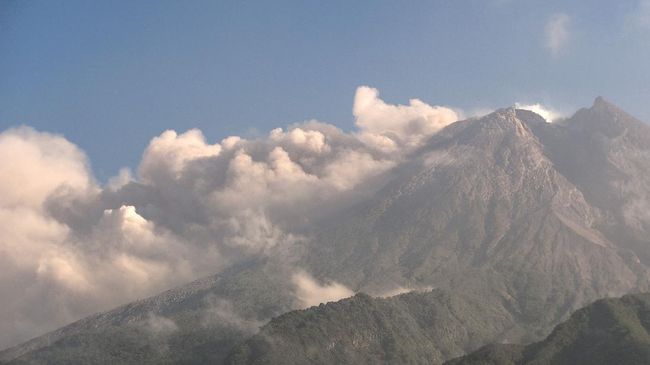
(399, 290)
(222, 312)
(640, 18)
(35, 164)
(556, 33)
(168, 153)
(393, 127)
(159, 326)
(545, 112)
(71, 247)
(123, 177)
(309, 292)
(53, 273)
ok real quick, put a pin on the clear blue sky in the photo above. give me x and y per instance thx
(110, 75)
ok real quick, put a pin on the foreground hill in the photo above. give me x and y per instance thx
(517, 222)
(413, 328)
(609, 331)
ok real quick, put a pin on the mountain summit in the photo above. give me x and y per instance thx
(484, 209)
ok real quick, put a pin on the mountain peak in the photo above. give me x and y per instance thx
(606, 118)
(506, 120)
(506, 112)
(601, 104)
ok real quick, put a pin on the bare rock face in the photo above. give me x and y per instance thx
(515, 221)
(483, 209)
(605, 152)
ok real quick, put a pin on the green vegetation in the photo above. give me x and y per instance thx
(609, 331)
(413, 328)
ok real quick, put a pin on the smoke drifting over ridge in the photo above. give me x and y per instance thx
(71, 246)
(548, 114)
(309, 292)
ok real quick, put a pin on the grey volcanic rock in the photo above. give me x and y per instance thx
(606, 153)
(483, 210)
(194, 324)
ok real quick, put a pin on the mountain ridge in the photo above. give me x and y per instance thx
(611, 330)
(415, 327)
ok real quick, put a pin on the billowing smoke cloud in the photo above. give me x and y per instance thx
(53, 271)
(394, 127)
(556, 33)
(640, 16)
(547, 113)
(70, 246)
(309, 292)
(401, 290)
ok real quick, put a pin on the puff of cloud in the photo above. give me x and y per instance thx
(169, 151)
(390, 127)
(310, 140)
(222, 312)
(157, 325)
(123, 177)
(36, 164)
(640, 17)
(309, 292)
(545, 112)
(556, 33)
(399, 290)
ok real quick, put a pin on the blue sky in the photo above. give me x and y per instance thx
(111, 75)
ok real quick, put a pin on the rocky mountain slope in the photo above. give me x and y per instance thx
(483, 210)
(609, 331)
(517, 222)
(197, 323)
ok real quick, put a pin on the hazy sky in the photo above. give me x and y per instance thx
(109, 76)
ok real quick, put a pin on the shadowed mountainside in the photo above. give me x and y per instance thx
(609, 331)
